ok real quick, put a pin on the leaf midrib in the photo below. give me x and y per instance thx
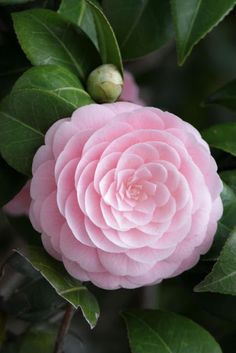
(22, 123)
(135, 23)
(191, 26)
(209, 284)
(152, 330)
(82, 12)
(74, 61)
(51, 93)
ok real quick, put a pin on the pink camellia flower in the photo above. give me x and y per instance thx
(130, 92)
(20, 204)
(124, 195)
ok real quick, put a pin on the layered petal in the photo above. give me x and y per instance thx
(125, 196)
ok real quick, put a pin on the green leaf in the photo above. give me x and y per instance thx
(41, 96)
(156, 331)
(225, 225)
(56, 81)
(229, 177)
(225, 96)
(47, 39)
(228, 195)
(67, 287)
(222, 136)
(194, 19)
(222, 278)
(140, 26)
(108, 46)
(105, 37)
(10, 182)
(19, 135)
(79, 13)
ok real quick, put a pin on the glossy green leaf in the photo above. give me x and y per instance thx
(228, 195)
(79, 13)
(105, 37)
(108, 46)
(10, 182)
(56, 81)
(140, 26)
(67, 287)
(225, 96)
(225, 225)
(47, 39)
(41, 96)
(222, 136)
(19, 137)
(194, 19)
(229, 177)
(156, 331)
(222, 278)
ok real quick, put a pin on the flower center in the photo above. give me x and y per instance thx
(133, 191)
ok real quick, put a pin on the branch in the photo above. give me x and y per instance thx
(63, 329)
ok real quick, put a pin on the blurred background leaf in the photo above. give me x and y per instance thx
(225, 96)
(140, 26)
(194, 19)
(222, 137)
